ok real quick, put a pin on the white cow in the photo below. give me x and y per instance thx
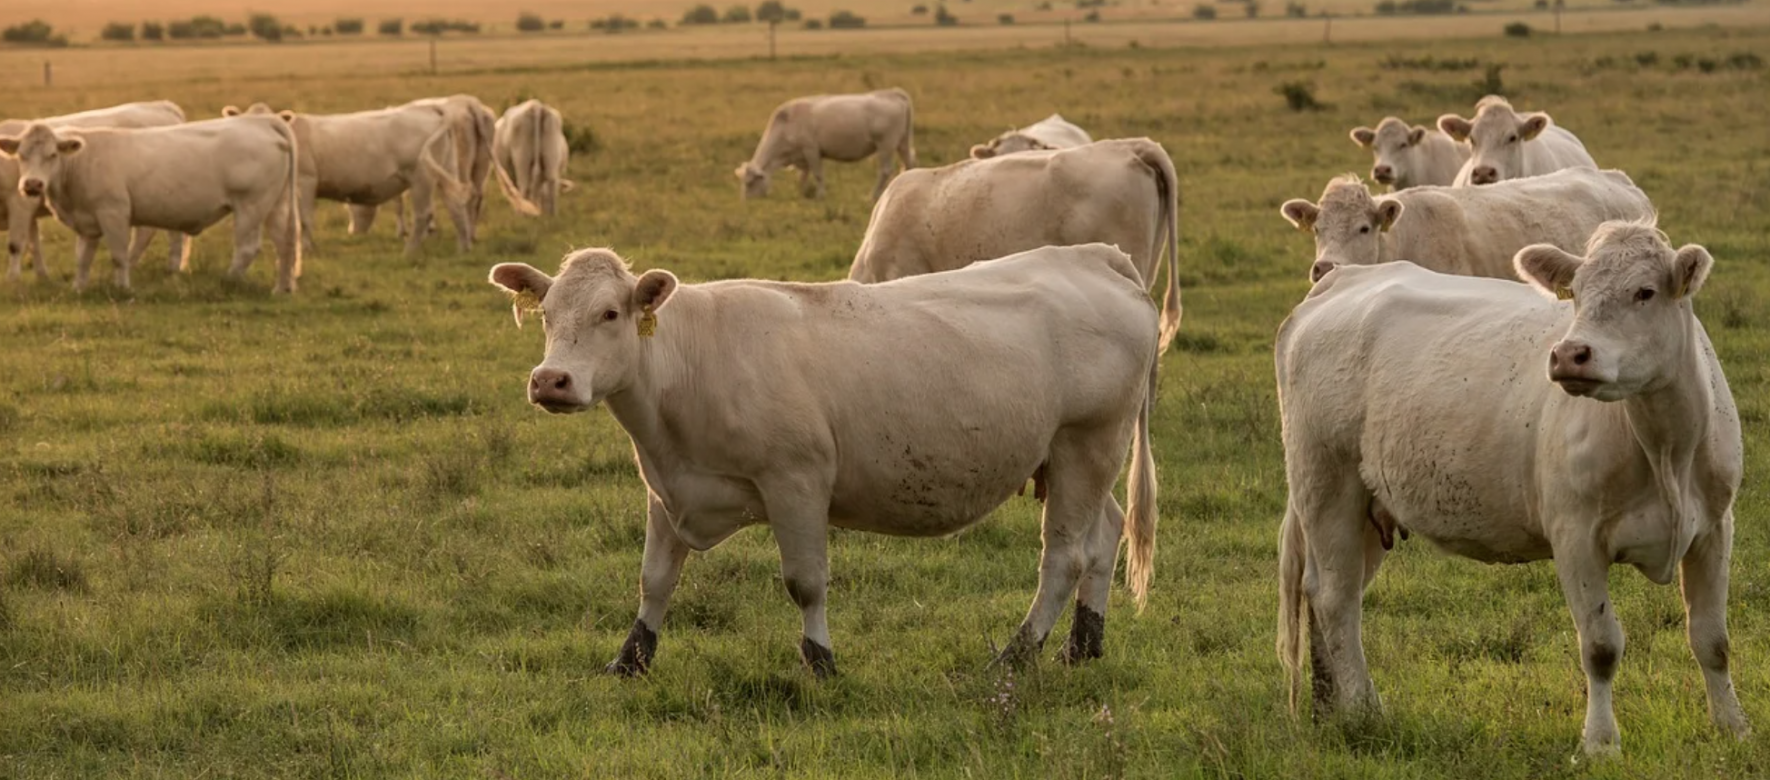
(1052, 132)
(185, 178)
(804, 132)
(1121, 192)
(529, 154)
(1473, 231)
(1411, 156)
(371, 157)
(806, 406)
(1417, 401)
(1508, 145)
(19, 213)
(473, 122)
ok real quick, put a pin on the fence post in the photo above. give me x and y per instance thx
(48, 74)
(1327, 30)
(432, 55)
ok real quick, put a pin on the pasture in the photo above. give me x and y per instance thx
(325, 536)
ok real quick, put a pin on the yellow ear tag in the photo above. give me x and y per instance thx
(648, 323)
(1564, 293)
(523, 302)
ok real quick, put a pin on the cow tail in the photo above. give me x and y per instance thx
(1293, 607)
(1140, 498)
(511, 193)
(294, 193)
(447, 184)
(1157, 157)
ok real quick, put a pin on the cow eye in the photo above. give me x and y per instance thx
(1364, 228)
(610, 316)
(1513, 139)
(1644, 294)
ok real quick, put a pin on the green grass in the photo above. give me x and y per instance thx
(325, 536)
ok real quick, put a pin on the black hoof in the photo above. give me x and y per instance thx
(1086, 637)
(636, 653)
(1021, 650)
(818, 658)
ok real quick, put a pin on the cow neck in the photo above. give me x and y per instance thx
(1669, 420)
(1385, 245)
(661, 373)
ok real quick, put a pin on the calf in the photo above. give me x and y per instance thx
(806, 406)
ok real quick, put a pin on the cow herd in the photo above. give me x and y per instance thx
(115, 175)
(1499, 355)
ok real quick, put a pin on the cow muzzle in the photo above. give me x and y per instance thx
(554, 390)
(1321, 269)
(31, 188)
(1571, 366)
(1383, 174)
(1485, 174)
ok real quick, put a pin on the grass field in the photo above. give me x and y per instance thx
(324, 536)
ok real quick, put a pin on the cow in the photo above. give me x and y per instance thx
(185, 178)
(20, 213)
(371, 157)
(1505, 144)
(806, 406)
(1417, 402)
(1052, 132)
(529, 154)
(1122, 191)
(804, 132)
(1411, 156)
(474, 127)
(1473, 231)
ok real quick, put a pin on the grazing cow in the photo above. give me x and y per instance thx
(19, 213)
(1505, 144)
(806, 406)
(473, 122)
(1472, 231)
(1417, 401)
(371, 157)
(846, 128)
(529, 154)
(1411, 156)
(1122, 192)
(1052, 132)
(185, 178)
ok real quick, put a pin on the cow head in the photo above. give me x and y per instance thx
(1347, 224)
(1392, 145)
(1632, 315)
(595, 313)
(258, 108)
(754, 181)
(39, 152)
(1007, 143)
(1496, 138)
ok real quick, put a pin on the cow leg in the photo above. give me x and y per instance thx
(284, 223)
(1584, 574)
(1080, 471)
(139, 239)
(1333, 508)
(85, 248)
(658, 574)
(178, 251)
(1705, 604)
(811, 177)
(35, 245)
(420, 193)
(248, 241)
(798, 515)
(15, 250)
(117, 236)
(307, 189)
(1087, 631)
(362, 218)
(886, 167)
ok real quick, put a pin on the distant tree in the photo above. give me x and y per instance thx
(266, 27)
(737, 14)
(153, 31)
(1092, 16)
(771, 11)
(1004, 18)
(235, 30)
(1253, 9)
(792, 15)
(390, 26)
(657, 24)
(207, 27)
(35, 32)
(814, 24)
(556, 24)
(943, 18)
(118, 31)
(847, 20)
(700, 14)
(1296, 10)
(1517, 30)
(348, 26)
(918, 10)
(528, 22)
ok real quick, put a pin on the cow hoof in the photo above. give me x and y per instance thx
(1021, 650)
(818, 658)
(636, 653)
(1086, 637)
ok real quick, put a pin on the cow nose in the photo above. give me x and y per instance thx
(1321, 269)
(1568, 357)
(548, 383)
(1484, 175)
(31, 187)
(1383, 174)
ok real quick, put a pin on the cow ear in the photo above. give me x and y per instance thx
(1690, 268)
(288, 116)
(982, 152)
(1301, 213)
(70, 146)
(1547, 268)
(1388, 210)
(1364, 136)
(741, 170)
(231, 111)
(9, 147)
(1454, 126)
(526, 285)
(1534, 124)
(1416, 135)
(654, 289)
